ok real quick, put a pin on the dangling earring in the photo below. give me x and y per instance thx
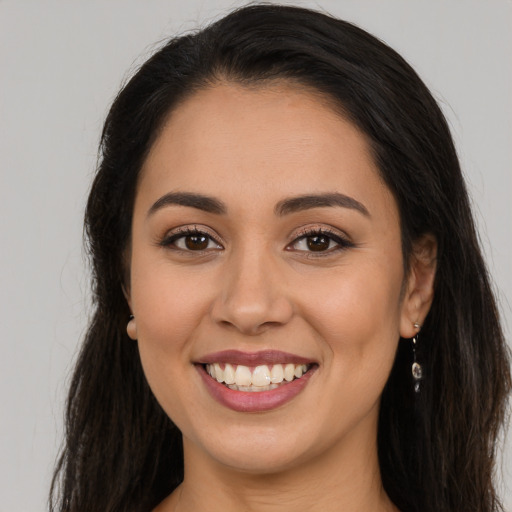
(131, 328)
(417, 370)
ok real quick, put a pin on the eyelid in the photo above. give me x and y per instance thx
(189, 229)
(334, 234)
(340, 238)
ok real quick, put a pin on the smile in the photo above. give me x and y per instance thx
(255, 382)
(255, 378)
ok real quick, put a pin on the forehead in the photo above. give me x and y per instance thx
(264, 142)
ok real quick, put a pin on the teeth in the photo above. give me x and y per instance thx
(300, 370)
(253, 388)
(242, 376)
(219, 374)
(261, 378)
(277, 374)
(229, 374)
(289, 372)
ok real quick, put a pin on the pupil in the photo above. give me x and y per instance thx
(196, 242)
(318, 243)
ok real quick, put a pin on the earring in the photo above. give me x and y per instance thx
(131, 328)
(416, 369)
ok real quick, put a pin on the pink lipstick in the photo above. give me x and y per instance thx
(253, 358)
(227, 377)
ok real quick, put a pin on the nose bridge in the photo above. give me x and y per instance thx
(252, 295)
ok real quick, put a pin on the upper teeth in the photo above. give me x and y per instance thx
(256, 376)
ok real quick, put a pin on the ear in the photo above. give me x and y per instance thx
(419, 287)
(127, 294)
(126, 277)
(131, 327)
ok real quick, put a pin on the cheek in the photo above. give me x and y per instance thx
(168, 303)
(365, 299)
(358, 326)
(168, 310)
(357, 314)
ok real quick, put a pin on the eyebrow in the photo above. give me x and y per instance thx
(198, 201)
(284, 207)
(306, 202)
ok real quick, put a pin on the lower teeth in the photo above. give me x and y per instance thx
(251, 389)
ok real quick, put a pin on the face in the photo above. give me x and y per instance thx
(266, 251)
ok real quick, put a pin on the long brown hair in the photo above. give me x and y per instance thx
(436, 449)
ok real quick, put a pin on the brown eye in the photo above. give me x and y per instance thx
(318, 243)
(196, 242)
(191, 241)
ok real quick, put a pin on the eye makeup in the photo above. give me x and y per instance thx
(315, 241)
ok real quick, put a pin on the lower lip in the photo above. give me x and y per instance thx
(255, 401)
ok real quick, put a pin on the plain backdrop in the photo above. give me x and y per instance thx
(62, 62)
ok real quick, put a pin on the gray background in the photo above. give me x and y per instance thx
(62, 62)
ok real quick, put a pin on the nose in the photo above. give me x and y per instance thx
(253, 295)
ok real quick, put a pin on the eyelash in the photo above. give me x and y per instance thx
(341, 242)
(183, 233)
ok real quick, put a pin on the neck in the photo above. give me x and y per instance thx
(344, 478)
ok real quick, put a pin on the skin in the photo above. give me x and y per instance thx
(258, 286)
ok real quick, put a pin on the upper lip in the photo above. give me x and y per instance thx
(253, 358)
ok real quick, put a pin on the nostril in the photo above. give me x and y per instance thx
(250, 329)
(252, 313)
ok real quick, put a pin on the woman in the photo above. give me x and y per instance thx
(291, 304)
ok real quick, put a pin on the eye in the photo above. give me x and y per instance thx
(191, 240)
(320, 241)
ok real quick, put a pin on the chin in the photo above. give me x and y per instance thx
(258, 451)
(256, 462)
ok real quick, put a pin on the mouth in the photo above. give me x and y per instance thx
(255, 382)
(252, 379)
